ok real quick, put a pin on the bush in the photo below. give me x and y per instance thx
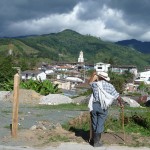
(43, 87)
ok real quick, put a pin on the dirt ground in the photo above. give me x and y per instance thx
(53, 137)
(42, 137)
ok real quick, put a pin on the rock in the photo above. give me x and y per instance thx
(131, 102)
(4, 95)
(36, 127)
(33, 127)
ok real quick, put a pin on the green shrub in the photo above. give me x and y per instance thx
(43, 87)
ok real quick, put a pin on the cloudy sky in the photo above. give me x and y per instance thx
(111, 20)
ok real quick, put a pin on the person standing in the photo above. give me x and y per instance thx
(103, 93)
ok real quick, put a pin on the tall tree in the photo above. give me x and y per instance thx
(7, 71)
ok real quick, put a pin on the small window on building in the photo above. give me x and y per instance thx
(26, 76)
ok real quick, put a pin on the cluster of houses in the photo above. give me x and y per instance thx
(69, 75)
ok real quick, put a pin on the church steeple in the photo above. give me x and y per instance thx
(10, 51)
(81, 59)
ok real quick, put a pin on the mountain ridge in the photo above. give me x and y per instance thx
(66, 46)
(138, 45)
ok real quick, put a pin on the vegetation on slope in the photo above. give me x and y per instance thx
(66, 45)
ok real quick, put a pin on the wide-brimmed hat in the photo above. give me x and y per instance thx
(104, 75)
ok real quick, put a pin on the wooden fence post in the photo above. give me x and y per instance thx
(15, 106)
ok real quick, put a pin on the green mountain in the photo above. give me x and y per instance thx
(66, 45)
(138, 45)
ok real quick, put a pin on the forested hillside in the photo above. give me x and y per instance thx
(65, 47)
(143, 47)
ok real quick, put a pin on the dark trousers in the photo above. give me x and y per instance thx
(98, 117)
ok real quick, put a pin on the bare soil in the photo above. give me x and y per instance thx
(53, 137)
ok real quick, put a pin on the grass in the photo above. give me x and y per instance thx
(136, 120)
(39, 115)
(70, 106)
(57, 138)
(139, 131)
(6, 112)
(7, 127)
(10, 127)
(81, 122)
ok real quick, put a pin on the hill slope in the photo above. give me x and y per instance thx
(66, 45)
(143, 47)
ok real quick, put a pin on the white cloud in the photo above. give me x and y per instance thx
(145, 36)
(108, 23)
(47, 24)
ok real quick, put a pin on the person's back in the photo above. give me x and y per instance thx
(100, 81)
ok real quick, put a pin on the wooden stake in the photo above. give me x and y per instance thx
(15, 106)
(122, 110)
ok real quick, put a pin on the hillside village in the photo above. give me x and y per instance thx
(71, 80)
(71, 76)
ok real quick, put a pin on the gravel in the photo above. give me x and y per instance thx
(31, 97)
(55, 99)
(4, 95)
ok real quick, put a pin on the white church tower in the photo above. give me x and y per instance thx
(10, 51)
(81, 59)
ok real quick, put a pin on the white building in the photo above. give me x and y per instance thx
(74, 79)
(33, 74)
(101, 67)
(122, 68)
(143, 77)
(48, 72)
(81, 59)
